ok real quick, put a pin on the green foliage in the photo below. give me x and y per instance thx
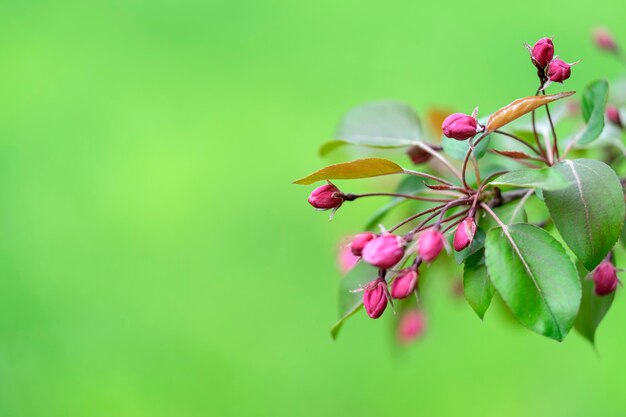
(477, 287)
(381, 123)
(349, 300)
(593, 307)
(589, 213)
(534, 276)
(545, 178)
(593, 107)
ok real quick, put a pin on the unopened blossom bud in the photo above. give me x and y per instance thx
(385, 251)
(430, 244)
(404, 284)
(418, 155)
(326, 197)
(411, 326)
(359, 242)
(543, 52)
(464, 234)
(605, 278)
(375, 298)
(604, 40)
(612, 114)
(346, 260)
(460, 126)
(559, 71)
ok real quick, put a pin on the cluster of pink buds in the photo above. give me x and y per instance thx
(550, 69)
(605, 277)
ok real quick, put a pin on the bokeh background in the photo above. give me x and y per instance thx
(154, 258)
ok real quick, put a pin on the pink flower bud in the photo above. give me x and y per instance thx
(360, 241)
(559, 71)
(375, 298)
(605, 278)
(604, 40)
(326, 197)
(460, 126)
(385, 251)
(430, 244)
(346, 259)
(612, 114)
(464, 234)
(418, 155)
(543, 52)
(404, 284)
(411, 326)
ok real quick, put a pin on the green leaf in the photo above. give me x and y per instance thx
(381, 123)
(622, 236)
(534, 276)
(351, 302)
(477, 287)
(589, 213)
(361, 168)
(593, 108)
(545, 178)
(458, 148)
(510, 213)
(593, 307)
(409, 185)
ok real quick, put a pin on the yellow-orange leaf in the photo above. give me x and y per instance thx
(361, 168)
(519, 108)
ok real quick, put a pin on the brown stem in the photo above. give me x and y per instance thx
(472, 146)
(352, 197)
(520, 140)
(428, 176)
(555, 147)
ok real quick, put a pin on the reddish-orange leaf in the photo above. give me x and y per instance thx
(361, 168)
(437, 187)
(513, 154)
(519, 108)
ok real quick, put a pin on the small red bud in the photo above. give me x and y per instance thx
(543, 52)
(604, 40)
(559, 71)
(326, 197)
(418, 155)
(404, 284)
(411, 326)
(375, 298)
(612, 114)
(360, 241)
(385, 251)
(430, 244)
(605, 278)
(460, 126)
(464, 234)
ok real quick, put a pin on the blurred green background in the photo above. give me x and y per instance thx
(155, 259)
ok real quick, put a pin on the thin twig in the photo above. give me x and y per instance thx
(428, 176)
(520, 140)
(440, 157)
(352, 197)
(472, 146)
